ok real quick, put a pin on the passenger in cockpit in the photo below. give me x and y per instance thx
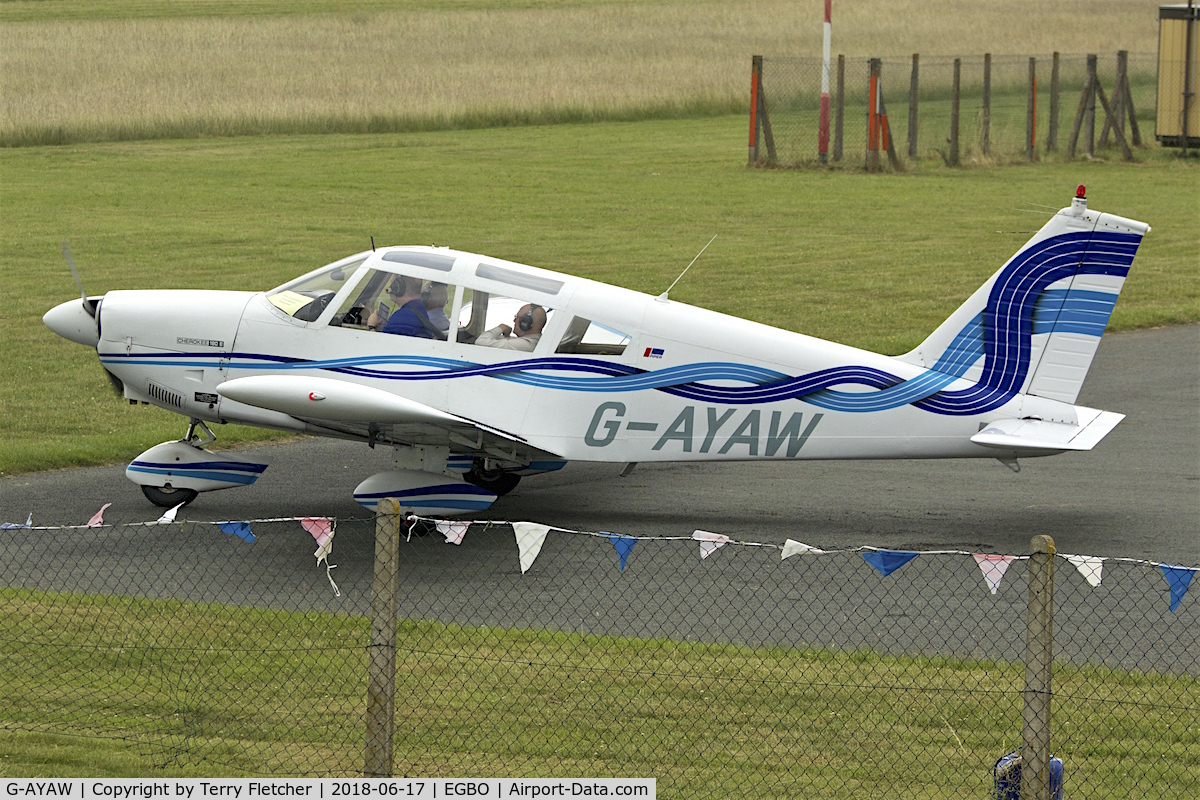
(525, 332)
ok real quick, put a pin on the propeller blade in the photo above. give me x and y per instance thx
(87, 305)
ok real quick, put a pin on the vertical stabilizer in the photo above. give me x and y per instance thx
(1034, 326)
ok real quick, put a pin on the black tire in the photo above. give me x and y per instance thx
(497, 481)
(168, 497)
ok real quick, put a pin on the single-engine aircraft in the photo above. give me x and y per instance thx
(364, 349)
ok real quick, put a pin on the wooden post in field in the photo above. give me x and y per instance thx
(1126, 153)
(1122, 103)
(823, 122)
(952, 160)
(1135, 133)
(912, 109)
(381, 678)
(840, 113)
(874, 67)
(985, 133)
(1089, 95)
(1031, 113)
(1052, 133)
(1039, 655)
(1089, 109)
(755, 80)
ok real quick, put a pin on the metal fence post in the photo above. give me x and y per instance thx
(1031, 113)
(1039, 654)
(381, 681)
(755, 83)
(985, 124)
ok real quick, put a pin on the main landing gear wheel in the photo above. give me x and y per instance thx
(496, 481)
(169, 497)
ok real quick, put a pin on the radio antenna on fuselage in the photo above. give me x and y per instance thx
(663, 296)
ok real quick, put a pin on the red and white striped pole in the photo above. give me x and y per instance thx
(823, 130)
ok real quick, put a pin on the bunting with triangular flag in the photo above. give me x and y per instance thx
(322, 530)
(97, 519)
(454, 532)
(791, 547)
(238, 529)
(624, 545)
(169, 516)
(888, 561)
(710, 542)
(993, 568)
(9, 526)
(1178, 578)
(1090, 567)
(530, 538)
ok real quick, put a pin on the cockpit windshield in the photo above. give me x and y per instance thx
(306, 297)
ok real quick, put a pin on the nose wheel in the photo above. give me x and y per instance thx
(169, 497)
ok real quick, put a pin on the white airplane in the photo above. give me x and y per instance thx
(614, 376)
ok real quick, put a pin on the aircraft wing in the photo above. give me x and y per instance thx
(1036, 434)
(353, 410)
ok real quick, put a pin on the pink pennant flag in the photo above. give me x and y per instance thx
(1090, 567)
(322, 529)
(993, 568)
(453, 531)
(710, 542)
(97, 520)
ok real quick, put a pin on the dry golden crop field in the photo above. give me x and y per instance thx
(132, 69)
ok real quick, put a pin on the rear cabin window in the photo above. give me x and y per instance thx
(588, 337)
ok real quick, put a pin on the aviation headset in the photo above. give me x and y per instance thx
(525, 321)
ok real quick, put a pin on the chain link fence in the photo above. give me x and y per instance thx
(918, 97)
(719, 666)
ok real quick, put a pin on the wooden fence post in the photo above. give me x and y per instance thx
(381, 679)
(954, 98)
(1052, 133)
(985, 132)
(1039, 655)
(1089, 108)
(1031, 113)
(912, 108)
(755, 75)
(840, 114)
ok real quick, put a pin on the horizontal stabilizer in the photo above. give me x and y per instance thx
(329, 399)
(1036, 434)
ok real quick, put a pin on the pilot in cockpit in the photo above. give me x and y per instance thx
(410, 317)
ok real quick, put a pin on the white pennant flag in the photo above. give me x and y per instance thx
(993, 568)
(169, 516)
(453, 531)
(530, 538)
(791, 547)
(1090, 567)
(710, 542)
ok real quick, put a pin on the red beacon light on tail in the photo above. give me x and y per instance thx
(1079, 204)
(1081, 192)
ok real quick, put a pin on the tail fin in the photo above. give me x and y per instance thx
(1034, 327)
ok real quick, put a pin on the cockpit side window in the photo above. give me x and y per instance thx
(484, 316)
(372, 302)
(585, 336)
(307, 296)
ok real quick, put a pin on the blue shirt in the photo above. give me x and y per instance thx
(408, 320)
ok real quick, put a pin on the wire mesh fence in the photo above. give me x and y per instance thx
(720, 667)
(918, 97)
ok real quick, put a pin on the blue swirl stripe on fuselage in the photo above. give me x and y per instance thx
(1019, 306)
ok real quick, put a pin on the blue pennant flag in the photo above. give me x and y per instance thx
(624, 545)
(1178, 578)
(888, 561)
(238, 529)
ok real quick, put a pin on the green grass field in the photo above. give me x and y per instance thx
(191, 690)
(872, 261)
